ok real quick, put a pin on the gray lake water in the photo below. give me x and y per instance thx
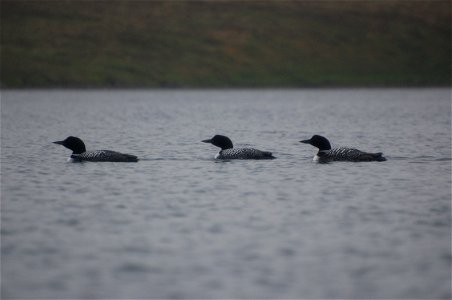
(179, 224)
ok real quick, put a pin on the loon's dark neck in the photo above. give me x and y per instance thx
(78, 148)
(322, 153)
(78, 152)
(324, 148)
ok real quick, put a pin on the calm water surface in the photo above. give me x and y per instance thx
(179, 224)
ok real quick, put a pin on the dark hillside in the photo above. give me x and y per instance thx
(224, 43)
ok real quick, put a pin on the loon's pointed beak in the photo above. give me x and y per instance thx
(59, 142)
(207, 141)
(306, 141)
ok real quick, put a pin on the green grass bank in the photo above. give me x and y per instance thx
(225, 43)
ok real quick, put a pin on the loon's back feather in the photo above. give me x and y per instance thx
(349, 154)
(104, 155)
(244, 153)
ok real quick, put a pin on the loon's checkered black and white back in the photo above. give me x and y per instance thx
(104, 155)
(229, 152)
(326, 153)
(79, 152)
(348, 154)
(243, 153)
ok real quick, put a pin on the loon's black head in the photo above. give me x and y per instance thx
(319, 142)
(74, 143)
(220, 141)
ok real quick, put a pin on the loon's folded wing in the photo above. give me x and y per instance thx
(351, 154)
(105, 155)
(244, 153)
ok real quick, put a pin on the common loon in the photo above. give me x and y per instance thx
(79, 152)
(326, 153)
(228, 152)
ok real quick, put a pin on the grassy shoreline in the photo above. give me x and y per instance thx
(241, 44)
